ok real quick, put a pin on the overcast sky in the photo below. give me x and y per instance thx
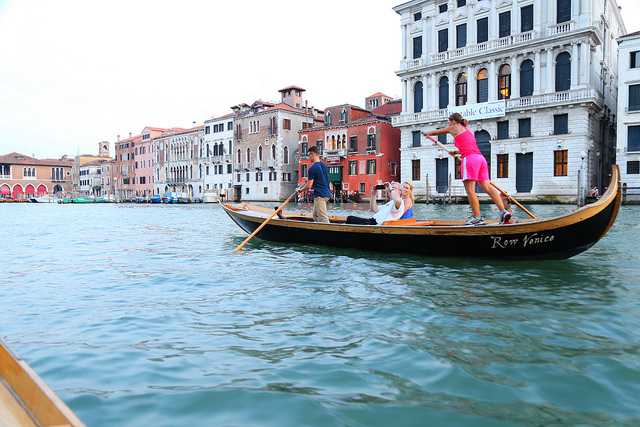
(75, 72)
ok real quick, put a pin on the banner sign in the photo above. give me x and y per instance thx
(485, 110)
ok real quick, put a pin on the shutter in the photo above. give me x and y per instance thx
(483, 90)
(563, 72)
(443, 90)
(461, 36)
(483, 30)
(634, 97)
(442, 175)
(524, 126)
(505, 24)
(526, 18)
(417, 97)
(563, 11)
(633, 138)
(524, 172)
(415, 170)
(526, 78)
(417, 47)
(443, 40)
(503, 130)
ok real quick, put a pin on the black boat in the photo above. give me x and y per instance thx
(553, 238)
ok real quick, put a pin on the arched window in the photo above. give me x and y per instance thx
(273, 152)
(526, 78)
(483, 86)
(248, 155)
(563, 72)
(215, 149)
(327, 118)
(443, 92)
(260, 153)
(504, 82)
(417, 97)
(333, 142)
(343, 116)
(344, 142)
(285, 155)
(461, 89)
(239, 158)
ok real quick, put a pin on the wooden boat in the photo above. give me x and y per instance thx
(25, 400)
(553, 238)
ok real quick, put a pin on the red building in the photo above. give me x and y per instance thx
(359, 146)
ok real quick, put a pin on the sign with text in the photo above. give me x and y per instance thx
(485, 110)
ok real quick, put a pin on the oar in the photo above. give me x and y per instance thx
(507, 195)
(266, 221)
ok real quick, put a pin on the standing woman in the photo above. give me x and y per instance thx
(473, 167)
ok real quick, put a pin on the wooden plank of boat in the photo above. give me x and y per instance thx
(25, 400)
(553, 238)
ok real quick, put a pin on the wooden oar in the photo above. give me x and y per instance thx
(507, 195)
(266, 221)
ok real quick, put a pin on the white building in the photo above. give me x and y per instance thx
(216, 163)
(176, 159)
(90, 178)
(628, 149)
(536, 79)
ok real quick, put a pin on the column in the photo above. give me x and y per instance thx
(404, 41)
(472, 90)
(585, 64)
(404, 97)
(551, 12)
(493, 82)
(537, 71)
(425, 35)
(515, 78)
(493, 24)
(537, 18)
(574, 65)
(550, 86)
(436, 91)
(425, 93)
(452, 88)
(410, 83)
(452, 34)
(515, 19)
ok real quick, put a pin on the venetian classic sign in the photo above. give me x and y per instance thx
(485, 110)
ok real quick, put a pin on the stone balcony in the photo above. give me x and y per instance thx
(553, 99)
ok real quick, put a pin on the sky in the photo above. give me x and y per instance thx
(76, 72)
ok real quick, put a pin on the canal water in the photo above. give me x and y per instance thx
(140, 316)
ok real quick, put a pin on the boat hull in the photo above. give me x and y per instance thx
(555, 238)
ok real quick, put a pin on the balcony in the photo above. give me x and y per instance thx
(537, 101)
(335, 153)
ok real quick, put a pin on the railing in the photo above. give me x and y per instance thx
(564, 27)
(484, 47)
(335, 153)
(411, 63)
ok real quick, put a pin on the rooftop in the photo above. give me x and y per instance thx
(22, 159)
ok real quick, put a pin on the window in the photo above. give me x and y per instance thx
(482, 32)
(286, 176)
(258, 176)
(443, 40)
(633, 138)
(563, 72)
(634, 63)
(504, 82)
(327, 118)
(353, 144)
(248, 177)
(526, 78)
(353, 167)
(286, 124)
(229, 167)
(524, 128)
(462, 3)
(207, 130)
(207, 170)
(371, 142)
(320, 145)
(560, 162)
(442, 8)
(260, 153)
(503, 165)
(461, 89)
(415, 137)
(415, 170)
(563, 8)
(634, 97)
(304, 149)
(526, 19)
(633, 167)
(461, 36)
(246, 190)
(503, 129)
(504, 23)
(229, 125)
(343, 116)
(417, 16)
(442, 139)
(417, 97)
(362, 187)
(443, 93)
(285, 155)
(417, 47)
(560, 124)
(483, 86)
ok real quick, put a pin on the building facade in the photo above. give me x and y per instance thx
(535, 78)
(265, 139)
(628, 149)
(90, 178)
(216, 155)
(108, 179)
(176, 168)
(84, 159)
(23, 176)
(361, 149)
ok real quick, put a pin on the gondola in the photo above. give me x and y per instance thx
(25, 400)
(560, 237)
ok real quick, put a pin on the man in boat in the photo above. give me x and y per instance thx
(392, 210)
(318, 180)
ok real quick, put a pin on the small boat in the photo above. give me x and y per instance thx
(551, 238)
(25, 400)
(155, 199)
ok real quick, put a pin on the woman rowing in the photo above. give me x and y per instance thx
(473, 167)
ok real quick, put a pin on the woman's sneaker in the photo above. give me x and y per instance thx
(505, 217)
(475, 220)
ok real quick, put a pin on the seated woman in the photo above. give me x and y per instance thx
(391, 210)
(408, 199)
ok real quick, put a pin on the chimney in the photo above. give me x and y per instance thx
(118, 136)
(130, 134)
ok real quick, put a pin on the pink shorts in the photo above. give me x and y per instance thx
(474, 168)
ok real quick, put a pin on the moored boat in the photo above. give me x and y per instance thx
(25, 400)
(552, 238)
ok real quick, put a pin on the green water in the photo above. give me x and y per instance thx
(139, 316)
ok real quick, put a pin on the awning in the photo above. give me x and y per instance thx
(5, 190)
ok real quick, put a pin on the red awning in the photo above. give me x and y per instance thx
(5, 190)
(42, 190)
(17, 192)
(30, 189)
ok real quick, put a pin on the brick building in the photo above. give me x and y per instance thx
(23, 176)
(360, 147)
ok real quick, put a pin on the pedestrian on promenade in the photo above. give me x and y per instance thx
(318, 180)
(473, 167)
